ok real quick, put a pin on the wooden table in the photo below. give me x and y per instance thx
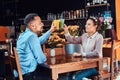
(68, 63)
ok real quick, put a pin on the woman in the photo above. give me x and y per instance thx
(91, 45)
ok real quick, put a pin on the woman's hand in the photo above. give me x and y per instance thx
(65, 29)
(77, 54)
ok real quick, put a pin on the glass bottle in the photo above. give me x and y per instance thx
(88, 2)
(86, 13)
(105, 1)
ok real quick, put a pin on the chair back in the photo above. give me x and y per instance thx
(18, 64)
(4, 31)
(111, 33)
(110, 51)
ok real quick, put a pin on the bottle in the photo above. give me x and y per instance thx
(86, 13)
(88, 2)
(105, 1)
(93, 2)
(77, 14)
(102, 1)
(83, 13)
(80, 14)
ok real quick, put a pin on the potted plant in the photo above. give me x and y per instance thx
(55, 41)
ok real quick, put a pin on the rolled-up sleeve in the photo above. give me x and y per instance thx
(72, 39)
(44, 37)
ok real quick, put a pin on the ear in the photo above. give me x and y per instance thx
(32, 25)
(96, 26)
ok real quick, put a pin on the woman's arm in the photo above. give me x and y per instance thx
(70, 38)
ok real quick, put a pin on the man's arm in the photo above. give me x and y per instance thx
(44, 37)
(36, 49)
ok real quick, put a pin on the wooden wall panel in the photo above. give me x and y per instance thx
(117, 5)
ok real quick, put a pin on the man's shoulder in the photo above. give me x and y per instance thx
(26, 35)
(29, 33)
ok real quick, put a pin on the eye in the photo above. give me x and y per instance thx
(88, 24)
(40, 23)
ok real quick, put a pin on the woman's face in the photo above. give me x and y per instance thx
(90, 26)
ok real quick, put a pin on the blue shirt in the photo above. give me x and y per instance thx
(29, 50)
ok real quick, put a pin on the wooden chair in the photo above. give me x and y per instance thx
(109, 51)
(15, 65)
(108, 60)
(109, 54)
(111, 33)
(4, 31)
(18, 64)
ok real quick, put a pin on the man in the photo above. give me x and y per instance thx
(29, 49)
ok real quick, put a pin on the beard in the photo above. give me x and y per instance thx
(39, 33)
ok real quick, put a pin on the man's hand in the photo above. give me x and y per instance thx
(53, 28)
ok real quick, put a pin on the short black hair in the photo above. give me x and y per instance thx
(29, 17)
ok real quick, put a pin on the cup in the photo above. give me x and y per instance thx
(56, 24)
(61, 23)
(53, 61)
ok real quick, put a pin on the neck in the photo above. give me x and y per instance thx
(91, 33)
(33, 30)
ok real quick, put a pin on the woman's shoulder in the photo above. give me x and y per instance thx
(99, 35)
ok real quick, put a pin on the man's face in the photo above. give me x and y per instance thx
(37, 25)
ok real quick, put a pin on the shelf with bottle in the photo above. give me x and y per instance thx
(68, 14)
(97, 5)
(75, 19)
(47, 23)
(65, 19)
(96, 2)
